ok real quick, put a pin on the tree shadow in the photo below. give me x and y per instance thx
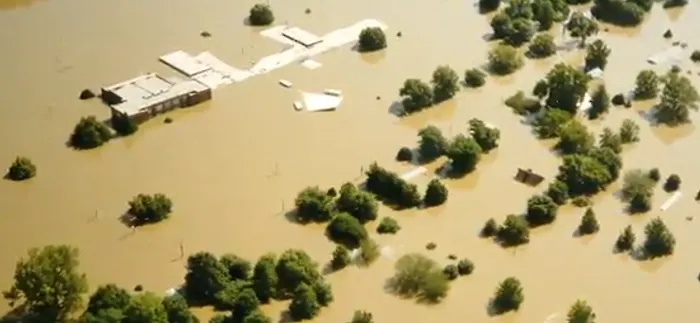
(639, 254)
(293, 217)
(246, 22)
(285, 317)
(129, 220)
(492, 310)
(396, 108)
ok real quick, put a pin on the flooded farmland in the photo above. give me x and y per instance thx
(233, 165)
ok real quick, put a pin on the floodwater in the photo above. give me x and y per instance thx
(234, 164)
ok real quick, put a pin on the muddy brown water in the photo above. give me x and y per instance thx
(217, 161)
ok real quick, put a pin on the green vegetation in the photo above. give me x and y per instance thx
(341, 258)
(580, 26)
(22, 168)
(611, 140)
(123, 125)
(558, 192)
(574, 138)
(149, 208)
(474, 77)
(541, 89)
(679, 96)
(621, 12)
(261, 15)
(486, 6)
(89, 133)
(542, 46)
(589, 224)
(369, 252)
(371, 39)
(673, 183)
(523, 105)
(695, 56)
(647, 85)
(445, 83)
(435, 194)
(405, 154)
(654, 175)
(486, 137)
(420, 277)
(597, 54)
(625, 241)
(465, 267)
(432, 143)
(674, 3)
(490, 228)
(637, 190)
(581, 312)
(600, 102)
(508, 296)
(346, 230)
(587, 174)
(415, 95)
(541, 210)
(504, 60)
(514, 30)
(390, 187)
(360, 204)
(362, 317)
(388, 225)
(629, 131)
(567, 86)
(660, 241)
(313, 205)
(465, 153)
(513, 232)
(451, 272)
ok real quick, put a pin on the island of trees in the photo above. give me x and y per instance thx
(22, 168)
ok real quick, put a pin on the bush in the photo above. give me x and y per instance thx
(625, 241)
(629, 132)
(89, 133)
(150, 208)
(678, 98)
(580, 26)
(313, 205)
(391, 187)
(589, 174)
(465, 153)
(618, 99)
(451, 272)
(362, 317)
(589, 223)
(371, 39)
(419, 276)
(523, 105)
(489, 229)
(388, 225)
(474, 77)
(542, 46)
(261, 15)
(541, 210)
(465, 267)
(618, 12)
(637, 190)
(581, 312)
(265, 279)
(540, 90)
(558, 192)
(672, 184)
(486, 6)
(660, 241)
(597, 55)
(238, 268)
(360, 204)
(600, 102)
(610, 140)
(567, 87)
(654, 174)
(21, 169)
(647, 85)
(369, 252)
(574, 138)
(695, 56)
(405, 154)
(486, 136)
(504, 60)
(436, 193)
(547, 124)
(513, 232)
(509, 296)
(304, 305)
(341, 258)
(445, 83)
(415, 95)
(347, 230)
(432, 143)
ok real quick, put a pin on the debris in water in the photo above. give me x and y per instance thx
(308, 11)
(379, 97)
(87, 94)
(399, 34)
(286, 83)
(138, 288)
(452, 257)
(431, 246)
(168, 120)
(205, 34)
(668, 34)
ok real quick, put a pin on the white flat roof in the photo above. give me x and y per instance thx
(146, 90)
(301, 36)
(184, 62)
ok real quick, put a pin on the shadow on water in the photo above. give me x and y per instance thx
(396, 108)
(372, 58)
(285, 317)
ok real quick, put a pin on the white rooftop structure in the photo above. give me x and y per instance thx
(301, 36)
(184, 62)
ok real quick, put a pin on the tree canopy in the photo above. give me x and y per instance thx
(371, 39)
(261, 15)
(415, 95)
(358, 203)
(313, 205)
(597, 54)
(508, 296)
(567, 86)
(432, 143)
(445, 83)
(504, 60)
(347, 230)
(486, 136)
(150, 208)
(89, 133)
(465, 153)
(392, 188)
(678, 98)
(22, 168)
(419, 276)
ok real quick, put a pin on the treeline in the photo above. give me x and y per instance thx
(417, 95)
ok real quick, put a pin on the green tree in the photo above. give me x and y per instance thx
(405, 154)
(581, 312)
(673, 182)
(323, 291)
(660, 241)
(625, 241)
(474, 77)
(541, 210)
(465, 153)
(523, 105)
(542, 46)
(597, 54)
(541, 89)
(504, 60)
(679, 96)
(89, 133)
(558, 192)
(391, 188)
(508, 296)
(490, 228)
(519, 9)
(362, 317)
(450, 271)
(574, 138)
(371, 39)
(313, 205)
(206, 276)
(611, 161)
(432, 143)
(435, 194)
(238, 268)
(502, 25)
(629, 131)
(584, 175)
(360, 204)
(600, 103)
(146, 308)
(465, 267)
(108, 297)
(295, 267)
(415, 95)
(644, 4)
(419, 276)
(514, 231)
(257, 317)
(244, 304)
(618, 12)
(265, 280)
(544, 13)
(48, 282)
(369, 252)
(487, 137)
(580, 26)
(304, 305)
(346, 229)
(341, 257)
(567, 86)
(654, 174)
(388, 225)
(611, 140)
(486, 6)
(261, 15)
(647, 85)
(177, 311)
(520, 32)
(589, 223)
(146, 208)
(445, 83)
(21, 169)
(637, 187)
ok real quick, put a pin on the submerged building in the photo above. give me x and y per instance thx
(148, 95)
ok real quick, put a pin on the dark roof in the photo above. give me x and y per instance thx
(528, 177)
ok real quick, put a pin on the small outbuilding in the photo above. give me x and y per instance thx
(528, 177)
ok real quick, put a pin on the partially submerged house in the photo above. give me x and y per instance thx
(528, 177)
(147, 95)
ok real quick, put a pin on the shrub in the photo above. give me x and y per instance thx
(347, 230)
(558, 192)
(695, 56)
(618, 99)
(445, 83)
(489, 229)
(660, 241)
(341, 257)
(509, 296)
(388, 225)
(523, 105)
(647, 85)
(371, 39)
(589, 223)
(405, 154)
(238, 268)
(474, 77)
(391, 187)
(451, 272)
(629, 131)
(597, 55)
(668, 34)
(369, 252)
(637, 190)
(541, 89)
(415, 95)
(542, 46)
(432, 143)
(618, 12)
(465, 153)
(610, 140)
(89, 133)
(574, 138)
(567, 87)
(360, 204)
(541, 210)
(581, 312)
(362, 317)
(600, 102)
(625, 241)
(313, 205)
(672, 184)
(465, 267)
(548, 124)
(419, 276)
(123, 125)
(514, 231)
(150, 208)
(678, 98)
(654, 174)
(304, 304)
(436, 193)
(21, 169)
(505, 60)
(486, 136)
(261, 15)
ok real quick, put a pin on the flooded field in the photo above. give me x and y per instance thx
(232, 165)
